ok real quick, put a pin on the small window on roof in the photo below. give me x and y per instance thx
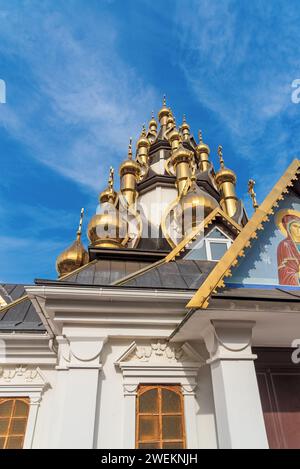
(216, 233)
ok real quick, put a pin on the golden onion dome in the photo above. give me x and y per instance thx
(153, 123)
(143, 140)
(202, 147)
(74, 256)
(129, 165)
(194, 207)
(185, 128)
(181, 154)
(224, 174)
(171, 119)
(107, 229)
(164, 111)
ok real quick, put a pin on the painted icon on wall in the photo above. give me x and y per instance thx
(288, 250)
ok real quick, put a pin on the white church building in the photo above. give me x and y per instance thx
(177, 327)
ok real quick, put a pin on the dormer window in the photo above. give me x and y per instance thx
(211, 248)
(217, 243)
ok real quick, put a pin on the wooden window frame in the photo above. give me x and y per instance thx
(176, 388)
(11, 418)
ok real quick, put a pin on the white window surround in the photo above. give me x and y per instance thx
(21, 381)
(208, 240)
(159, 363)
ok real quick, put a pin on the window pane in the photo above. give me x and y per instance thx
(18, 427)
(149, 445)
(217, 250)
(21, 409)
(149, 429)
(216, 234)
(2, 442)
(171, 427)
(6, 408)
(3, 426)
(170, 401)
(173, 445)
(149, 402)
(15, 442)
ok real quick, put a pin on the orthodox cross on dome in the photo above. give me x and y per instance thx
(251, 184)
(130, 149)
(200, 136)
(80, 223)
(111, 178)
(220, 153)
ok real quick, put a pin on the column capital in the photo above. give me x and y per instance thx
(229, 340)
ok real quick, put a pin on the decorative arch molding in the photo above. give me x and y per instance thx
(154, 363)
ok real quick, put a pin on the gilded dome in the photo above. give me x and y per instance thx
(107, 229)
(194, 207)
(74, 256)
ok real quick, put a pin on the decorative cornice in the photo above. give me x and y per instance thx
(230, 259)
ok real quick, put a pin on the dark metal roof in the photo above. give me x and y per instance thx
(20, 316)
(105, 271)
(179, 274)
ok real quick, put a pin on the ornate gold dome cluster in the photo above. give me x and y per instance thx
(118, 223)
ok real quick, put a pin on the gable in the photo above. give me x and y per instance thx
(267, 219)
(273, 258)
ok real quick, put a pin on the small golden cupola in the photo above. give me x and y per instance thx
(74, 256)
(163, 113)
(130, 172)
(202, 155)
(142, 152)
(194, 206)
(226, 181)
(185, 129)
(107, 228)
(152, 128)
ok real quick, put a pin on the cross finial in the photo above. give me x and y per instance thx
(130, 149)
(80, 223)
(220, 153)
(111, 178)
(251, 184)
(200, 136)
(164, 100)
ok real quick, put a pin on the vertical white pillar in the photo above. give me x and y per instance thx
(239, 415)
(130, 392)
(78, 378)
(190, 416)
(34, 404)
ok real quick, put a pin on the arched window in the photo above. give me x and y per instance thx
(160, 419)
(13, 421)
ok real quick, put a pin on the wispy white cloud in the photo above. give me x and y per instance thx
(240, 60)
(84, 101)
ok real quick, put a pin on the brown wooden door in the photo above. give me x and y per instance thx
(279, 385)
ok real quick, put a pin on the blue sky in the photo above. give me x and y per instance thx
(84, 75)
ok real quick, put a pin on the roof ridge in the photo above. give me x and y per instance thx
(243, 240)
(13, 303)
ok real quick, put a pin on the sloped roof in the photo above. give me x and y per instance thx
(180, 274)
(243, 241)
(19, 314)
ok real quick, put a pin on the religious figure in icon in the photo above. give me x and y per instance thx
(288, 250)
